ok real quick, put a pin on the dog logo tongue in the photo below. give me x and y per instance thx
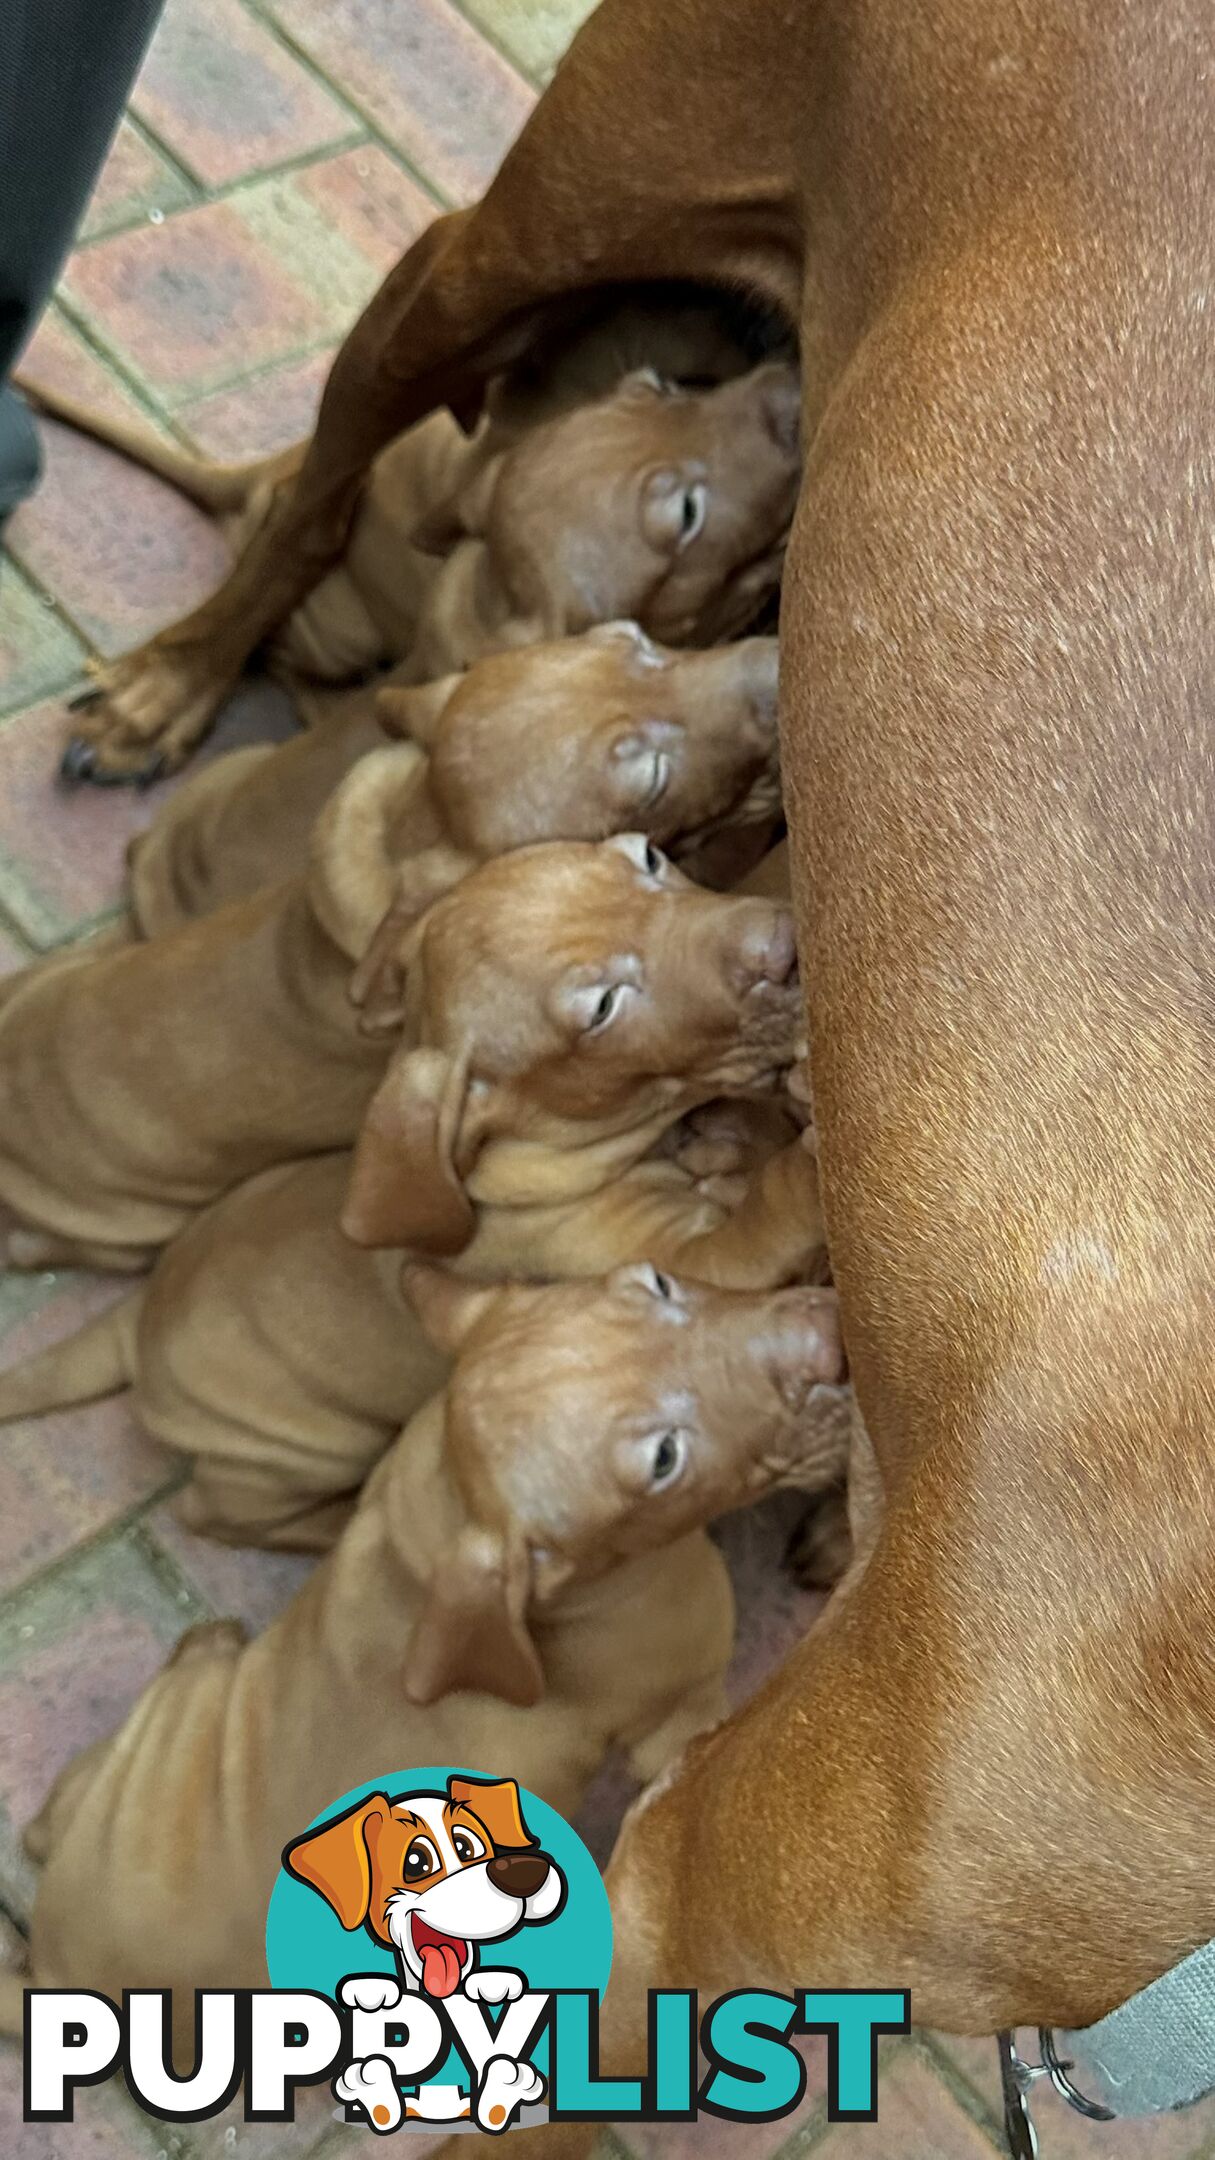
(442, 1958)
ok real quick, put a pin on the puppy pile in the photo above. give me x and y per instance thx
(453, 976)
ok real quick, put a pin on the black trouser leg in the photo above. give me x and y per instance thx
(66, 69)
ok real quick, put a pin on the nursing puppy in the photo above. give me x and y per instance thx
(571, 740)
(563, 996)
(533, 1551)
(283, 1359)
(667, 506)
(660, 997)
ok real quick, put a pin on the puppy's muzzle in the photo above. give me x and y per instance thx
(518, 1874)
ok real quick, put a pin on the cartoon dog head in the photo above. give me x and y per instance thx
(432, 1874)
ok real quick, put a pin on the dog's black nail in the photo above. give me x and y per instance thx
(99, 777)
(76, 763)
(88, 696)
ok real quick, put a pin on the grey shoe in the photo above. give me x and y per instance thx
(20, 452)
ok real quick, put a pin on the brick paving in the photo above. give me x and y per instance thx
(275, 160)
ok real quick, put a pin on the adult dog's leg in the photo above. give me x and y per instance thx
(635, 165)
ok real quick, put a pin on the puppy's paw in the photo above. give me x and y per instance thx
(370, 1991)
(371, 2086)
(724, 1192)
(820, 1548)
(497, 1984)
(715, 1141)
(506, 2087)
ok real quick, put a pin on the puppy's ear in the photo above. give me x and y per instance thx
(809, 1352)
(335, 1859)
(473, 1629)
(494, 1802)
(414, 712)
(463, 516)
(448, 1308)
(378, 984)
(404, 1186)
(351, 879)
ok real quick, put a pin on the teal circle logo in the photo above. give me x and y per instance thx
(441, 1908)
(308, 1946)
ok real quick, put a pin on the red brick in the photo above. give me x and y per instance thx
(290, 219)
(374, 206)
(918, 2119)
(135, 180)
(190, 305)
(105, 2125)
(254, 1586)
(421, 72)
(58, 356)
(75, 1650)
(62, 850)
(710, 2138)
(122, 552)
(421, 2145)
(534, 32)
(37, 650)
(229, 2137)
(71, 1474)
(258, 417)
(227, 98)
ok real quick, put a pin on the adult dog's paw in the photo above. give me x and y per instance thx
(144, 712)
(371, 2086)
(497, 1984)
(370, 1991)
(506, 2087)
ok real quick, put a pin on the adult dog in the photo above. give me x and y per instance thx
(988, 1774)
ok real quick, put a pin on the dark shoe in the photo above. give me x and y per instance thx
(20, 453)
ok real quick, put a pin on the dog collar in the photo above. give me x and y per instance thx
(1153, 2054)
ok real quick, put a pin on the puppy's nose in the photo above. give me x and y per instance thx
(518, 1874)
(781, 409)
(768, 951)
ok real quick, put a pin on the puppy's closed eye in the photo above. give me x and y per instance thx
(647, 769)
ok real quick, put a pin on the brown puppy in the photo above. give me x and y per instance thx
(280, 1357)
(138, 1081)
(566, 741)
(569, 996)
(658, 997)
(669, 506)
(535, 1539)
(664, 505)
